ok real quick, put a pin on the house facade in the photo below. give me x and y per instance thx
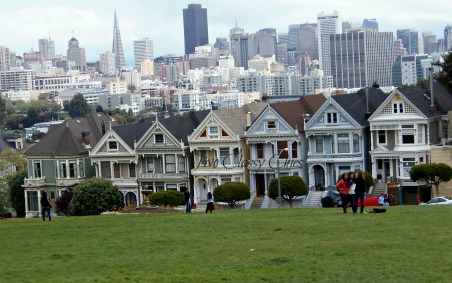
(219, 150)
(60, 161)
(338, 136)
(405, 127)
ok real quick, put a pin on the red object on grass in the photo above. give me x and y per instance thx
(369, 201)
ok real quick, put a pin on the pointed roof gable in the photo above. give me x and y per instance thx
(132, 133)
(182, 126)
(356, 105)
(235, 118)
(66, 138)
(293, 111)
(420, 96)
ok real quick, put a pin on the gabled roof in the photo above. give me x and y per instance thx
(356, 104)
(420, 96)
(182, 126)
(66, 138)
(132, 133)
(179, 126)
(235, 118)
(292, 111)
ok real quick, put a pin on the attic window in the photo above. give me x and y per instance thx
(159, 138)
(271, 124)
(112, 145)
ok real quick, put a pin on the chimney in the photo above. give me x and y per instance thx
(248, 119)
(85, 139)
(102, 125)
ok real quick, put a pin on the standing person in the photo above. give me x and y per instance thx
(352, 194)
(344, 187)
(46, 205)
(187, 201)
(360, 189)
(209, 202)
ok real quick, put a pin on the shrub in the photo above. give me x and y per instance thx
(231, 193)
(63, 203)
(327, 202)
(94, 196)
(167, 198)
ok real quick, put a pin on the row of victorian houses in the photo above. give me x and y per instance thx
(315, 137)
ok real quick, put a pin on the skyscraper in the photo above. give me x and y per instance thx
(142, 49)
(448, 37)
(117, 46)
(76, 54)
(429, 40)
(196, 31)
(410, 40)
(47, 48)
(327, 24)
(359, 58)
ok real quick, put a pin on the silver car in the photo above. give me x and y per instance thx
(439, 200)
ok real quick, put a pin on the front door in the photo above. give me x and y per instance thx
(260, 185)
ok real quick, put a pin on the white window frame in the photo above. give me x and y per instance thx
(332, 118)
(111, 142)
(158, 141)
(341, 138)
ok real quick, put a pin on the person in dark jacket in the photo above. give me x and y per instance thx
(45, 205)
(360, 189)
(187, 201)
(209, 202)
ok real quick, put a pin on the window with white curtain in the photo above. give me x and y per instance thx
(170, 163)
(343, 143)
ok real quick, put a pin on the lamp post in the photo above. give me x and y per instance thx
(279, 177)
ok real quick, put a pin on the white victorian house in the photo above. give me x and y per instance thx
(219, 150)
(338, 136)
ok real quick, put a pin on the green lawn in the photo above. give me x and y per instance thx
(406, 244)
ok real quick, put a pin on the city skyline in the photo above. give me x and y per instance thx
(91, 23)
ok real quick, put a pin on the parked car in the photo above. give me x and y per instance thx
(438, 201)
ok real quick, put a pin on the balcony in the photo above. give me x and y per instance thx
(334, 156)
(34, 182)
(162, 176)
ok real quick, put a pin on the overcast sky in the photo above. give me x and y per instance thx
(23, 22)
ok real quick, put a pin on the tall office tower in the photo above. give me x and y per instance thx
(410, 40)
(196, 32)
(117, 46)
(294, 33)
(239, 49)
(327, 24)
(359, 58)
(429, 40)
(308, 42)
(448, 37)
(47, 48)
(76, 54)
(370, 24)
(142, 49)
(7, 58)
(107, 64)
(222, 44)
(399, 49)
(281, 53)
(264, 43)
(441, 45)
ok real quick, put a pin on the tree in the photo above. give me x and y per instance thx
(131, 88)
(432, 173)
(291, 188)
(445, 75)
(231, 193)
(99, 108)
(94, 196)
(78, 107)
(15, 121)
(11, 163)
(2, 109)
(17, 192)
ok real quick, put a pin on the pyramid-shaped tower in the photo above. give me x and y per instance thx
(117, 46)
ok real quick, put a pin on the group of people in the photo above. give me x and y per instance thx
(385, 200)
(352, 188)
(210, 206)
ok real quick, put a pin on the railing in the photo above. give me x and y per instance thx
(249, 202)
(308, 198)
(34, 181)
(334, 156)
(163, 175)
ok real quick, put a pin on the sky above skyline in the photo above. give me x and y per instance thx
(91, 22)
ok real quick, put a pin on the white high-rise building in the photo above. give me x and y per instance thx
(360, 58)
(225, 64)
(133, 79)
(7, 58)
(16, 80)
(47, 48)
(147, 68)
(327, 24)
(107, 63)
(142, 49)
